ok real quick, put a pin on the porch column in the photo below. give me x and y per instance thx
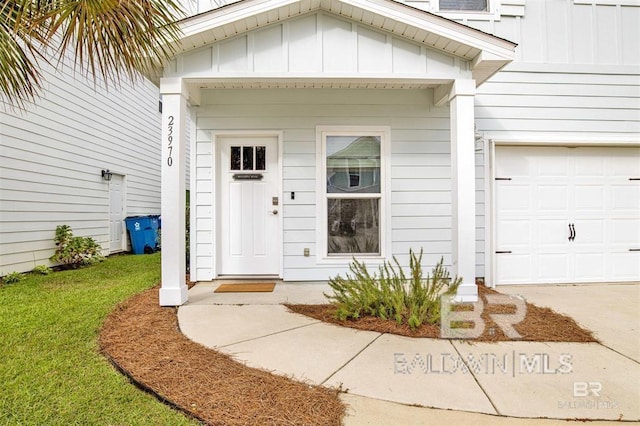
(461, 107)
(174, 110)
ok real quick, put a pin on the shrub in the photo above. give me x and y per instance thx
(75, 251)
(13, 277)
(42, 270)
(390, 294)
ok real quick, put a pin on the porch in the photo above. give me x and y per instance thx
(293, 86)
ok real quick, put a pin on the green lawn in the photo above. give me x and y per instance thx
(50, 369)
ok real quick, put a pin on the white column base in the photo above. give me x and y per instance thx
(173, 296)
(467, 292)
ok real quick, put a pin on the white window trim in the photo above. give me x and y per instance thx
(492, 12)
(384, 132)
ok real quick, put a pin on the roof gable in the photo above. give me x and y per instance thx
(319, 47)
(486, 53)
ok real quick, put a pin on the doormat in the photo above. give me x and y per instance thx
(245, 288)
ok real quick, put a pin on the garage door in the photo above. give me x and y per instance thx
(567, 215)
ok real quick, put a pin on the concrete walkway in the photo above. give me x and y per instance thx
(386, 377)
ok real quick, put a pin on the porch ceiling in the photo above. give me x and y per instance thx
(487, 52)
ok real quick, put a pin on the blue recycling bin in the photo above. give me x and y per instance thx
(143, 233)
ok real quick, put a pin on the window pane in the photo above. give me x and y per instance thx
(354, 226)
(247, 158)
(353, 164)
(235, 158)
(475, 5)
(261, 155)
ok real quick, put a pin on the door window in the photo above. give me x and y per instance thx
(248, 158)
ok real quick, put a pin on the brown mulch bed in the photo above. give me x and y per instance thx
(540, 324)
(143, 341)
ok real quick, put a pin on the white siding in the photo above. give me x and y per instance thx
(420, 166)
(563, 31)
(51, 156)
(550, 106)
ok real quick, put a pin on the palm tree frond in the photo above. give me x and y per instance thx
(21, 46)
(107, 39)
(113, 38)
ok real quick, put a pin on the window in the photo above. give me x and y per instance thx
(352, 179)
(248, 158)
(481, 10)
(463, 5)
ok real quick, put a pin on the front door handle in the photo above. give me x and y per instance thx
(274, 212)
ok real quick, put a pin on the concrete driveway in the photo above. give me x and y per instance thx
(611, 311)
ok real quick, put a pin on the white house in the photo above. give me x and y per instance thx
(504, 138)
(52, 159)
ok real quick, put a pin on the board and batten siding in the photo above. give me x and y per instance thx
(52, 154)
(318, 45)
(420, 166)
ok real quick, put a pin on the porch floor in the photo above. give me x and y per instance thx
(483, 383)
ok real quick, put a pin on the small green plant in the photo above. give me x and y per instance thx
(390, 294)
(13, 278)
(41, 269)
(75, 251)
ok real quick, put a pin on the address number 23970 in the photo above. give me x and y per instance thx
(170, 141)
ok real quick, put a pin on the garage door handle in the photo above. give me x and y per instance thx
(572, 232)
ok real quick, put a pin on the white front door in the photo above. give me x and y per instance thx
(116, 213)
(249, 207)
(567, 215)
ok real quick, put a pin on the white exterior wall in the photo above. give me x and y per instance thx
(597, 105)
(576, 76)
(575, 79)
(51, 157)
(420, 166)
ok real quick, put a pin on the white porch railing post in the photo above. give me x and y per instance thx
(461, 100)
(174, 109)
